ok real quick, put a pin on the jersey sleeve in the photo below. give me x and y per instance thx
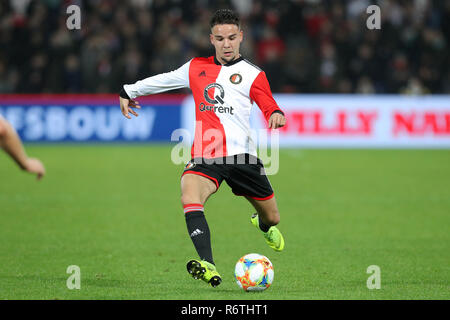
(261, 94)
(162, 82)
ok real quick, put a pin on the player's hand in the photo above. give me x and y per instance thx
(127, 107)
(35, 166)
(277, 120)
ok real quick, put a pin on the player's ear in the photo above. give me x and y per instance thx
(211, 38)
(241, 35)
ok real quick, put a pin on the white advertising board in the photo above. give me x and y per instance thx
(355, 121)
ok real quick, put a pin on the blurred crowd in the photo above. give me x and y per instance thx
(304, 46)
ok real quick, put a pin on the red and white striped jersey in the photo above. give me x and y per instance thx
(223, 95)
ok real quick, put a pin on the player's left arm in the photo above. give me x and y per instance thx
(260, 93)
(277, 120)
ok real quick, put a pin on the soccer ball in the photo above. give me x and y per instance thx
(254, 272)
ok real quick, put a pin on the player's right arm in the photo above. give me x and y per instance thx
(176, 79)
(11, 143)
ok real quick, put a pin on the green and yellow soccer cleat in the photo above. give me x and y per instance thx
(205, 271)
(273, 237)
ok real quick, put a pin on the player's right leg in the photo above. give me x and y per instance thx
(265, 219)
(195, 190)
(201, 269)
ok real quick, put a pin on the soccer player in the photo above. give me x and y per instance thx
(10, 142)
(224, 87)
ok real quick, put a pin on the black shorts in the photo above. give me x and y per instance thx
(244, 173)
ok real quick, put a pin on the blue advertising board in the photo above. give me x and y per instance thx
(90, 118)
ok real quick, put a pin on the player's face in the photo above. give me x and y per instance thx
(226, 39)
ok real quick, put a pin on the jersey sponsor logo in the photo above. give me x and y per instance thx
(214, 94)
(220, 109)
(235, 78)
(217, 98)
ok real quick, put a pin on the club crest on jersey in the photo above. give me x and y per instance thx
(236, 78)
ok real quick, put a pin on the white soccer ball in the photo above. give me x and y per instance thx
(254, 272)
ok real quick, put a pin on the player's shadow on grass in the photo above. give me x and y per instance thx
(212, 290)
(85, 282)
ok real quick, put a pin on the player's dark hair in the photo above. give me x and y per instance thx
(225, 16)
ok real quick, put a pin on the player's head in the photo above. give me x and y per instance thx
(226, 35)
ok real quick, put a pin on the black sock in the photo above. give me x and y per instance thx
(199, 232)
(262, 226)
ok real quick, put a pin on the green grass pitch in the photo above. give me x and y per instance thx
(115, 212)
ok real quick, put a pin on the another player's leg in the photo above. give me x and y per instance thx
(266, 219)
(195, 190)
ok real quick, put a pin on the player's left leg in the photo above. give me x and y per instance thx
(249, 179)
(266, 218)
(267, 211)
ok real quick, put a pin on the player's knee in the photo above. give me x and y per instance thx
(184, 200)
(2, 128)
(273, 218)
(189, 199)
